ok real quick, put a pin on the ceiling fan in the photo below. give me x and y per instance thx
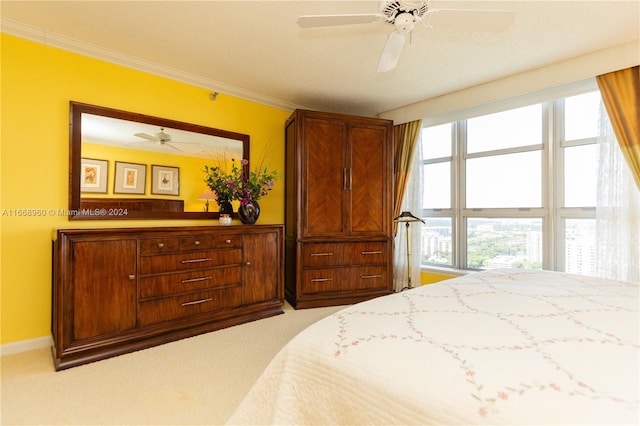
(161, 137)
(404, 14)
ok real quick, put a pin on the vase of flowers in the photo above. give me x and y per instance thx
(243, 185)
(253, 185)
(223, 184)
(249, 212)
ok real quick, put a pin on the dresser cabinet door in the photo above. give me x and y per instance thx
(262, 257)
(103, 288)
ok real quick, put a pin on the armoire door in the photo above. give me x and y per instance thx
(368, 198)
(324, 177)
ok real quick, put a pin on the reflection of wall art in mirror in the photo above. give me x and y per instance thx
(165, 180)
(131, 178)
(94, 175)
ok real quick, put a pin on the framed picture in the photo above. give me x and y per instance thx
(165, 180)
(130, 178)
(93, 176)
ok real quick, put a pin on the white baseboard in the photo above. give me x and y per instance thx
(25, 345)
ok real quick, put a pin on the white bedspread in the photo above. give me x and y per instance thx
(497, 347)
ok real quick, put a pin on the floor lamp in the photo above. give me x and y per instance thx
(408, 218)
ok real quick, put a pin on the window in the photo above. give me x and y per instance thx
(513, 189)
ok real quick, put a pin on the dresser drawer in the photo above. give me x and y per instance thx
(193, 260)
(202, 242)
(167, 284)
(227, 241)
(334, 254)
(189, 242)
(159, 245)
(170, 308)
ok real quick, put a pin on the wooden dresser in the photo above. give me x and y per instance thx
(120, 290)
(338, 214)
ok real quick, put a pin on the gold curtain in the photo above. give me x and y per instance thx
(405, 138)
(621, 96)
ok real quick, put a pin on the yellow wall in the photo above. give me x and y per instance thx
(37, 84)
(428, 277)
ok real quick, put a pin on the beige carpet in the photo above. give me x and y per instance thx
(199, 380)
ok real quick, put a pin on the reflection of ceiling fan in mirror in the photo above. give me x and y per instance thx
(404, 14)
(161, 138)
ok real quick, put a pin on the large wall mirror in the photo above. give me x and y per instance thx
(125, 165)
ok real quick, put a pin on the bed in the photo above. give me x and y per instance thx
(494, 347)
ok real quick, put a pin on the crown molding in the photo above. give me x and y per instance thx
(39, 35)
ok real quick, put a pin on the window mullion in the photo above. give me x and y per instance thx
(460, 229)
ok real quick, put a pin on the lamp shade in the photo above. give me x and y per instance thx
(207, 194)
(407, 217)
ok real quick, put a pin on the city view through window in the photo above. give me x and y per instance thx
(502, 166)
(509, 243)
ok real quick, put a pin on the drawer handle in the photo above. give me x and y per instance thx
(322, 254)
(160, 245)
(321, 280)
(372, 252)
(204, 259)
(132, 277)
(197, 302)
(196, 242)
(227, 241)
(364, 277)
(195, 280)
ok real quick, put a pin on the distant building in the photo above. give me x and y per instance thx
(534, 246)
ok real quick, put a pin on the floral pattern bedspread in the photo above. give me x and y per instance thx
(495, 347)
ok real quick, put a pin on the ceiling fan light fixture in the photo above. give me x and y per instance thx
(404, 22)
(163, 137)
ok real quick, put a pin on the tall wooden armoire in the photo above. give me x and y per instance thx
(338, 216)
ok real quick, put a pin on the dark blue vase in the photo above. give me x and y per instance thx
(249, 213)
(225, 207)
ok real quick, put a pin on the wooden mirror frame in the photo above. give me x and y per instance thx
(80, 210)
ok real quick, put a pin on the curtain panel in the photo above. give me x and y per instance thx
(621, 96)
(405, 138)
(407, 197)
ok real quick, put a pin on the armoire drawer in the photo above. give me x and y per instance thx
(334, 254)
(167, 284)
(192, 260)
(170, 308)
(343, 279)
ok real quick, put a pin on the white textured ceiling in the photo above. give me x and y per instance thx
(256, 47)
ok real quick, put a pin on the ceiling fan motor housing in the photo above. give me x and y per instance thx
(401, 10)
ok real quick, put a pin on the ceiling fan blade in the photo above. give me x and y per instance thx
(392, 51)
(472, 20)
(310, 21)
(146, 136)
(172, 146)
